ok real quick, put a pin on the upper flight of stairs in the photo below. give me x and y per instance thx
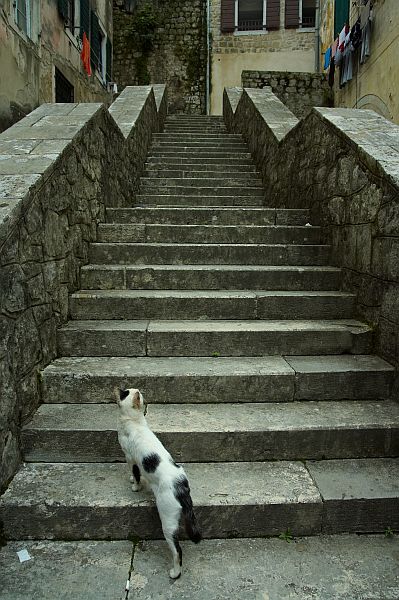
(229, 318)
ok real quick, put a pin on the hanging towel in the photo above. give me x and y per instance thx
(327, 58)
(85, 54)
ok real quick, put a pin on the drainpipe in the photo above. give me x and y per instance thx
(208, 58)
(317, 37)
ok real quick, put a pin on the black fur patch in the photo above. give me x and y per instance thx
(178, 548)
(136, 473)
(123, 394)
(175, 463)
(182, 495)
(151, 462)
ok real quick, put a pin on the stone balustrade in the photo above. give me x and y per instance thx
(344, 165)
(59, 167)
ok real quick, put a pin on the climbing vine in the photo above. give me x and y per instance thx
(141, 36)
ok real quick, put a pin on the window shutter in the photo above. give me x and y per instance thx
(341, 15)
(63, 9)
(85, 18)
(109, 61)
(227, 16)
(95, 48)
(291, 14)
(273, 14)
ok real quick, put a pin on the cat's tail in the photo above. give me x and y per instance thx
(190, 521)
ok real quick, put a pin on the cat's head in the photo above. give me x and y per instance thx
(131, 402)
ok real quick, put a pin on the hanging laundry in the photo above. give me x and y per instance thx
(85, 54)
(342, 36)
(327, 58)
(365, 14)
(331, 73)
(334, 48)
(356, 35)
(366, 33)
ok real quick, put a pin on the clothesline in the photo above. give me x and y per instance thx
(341, 52)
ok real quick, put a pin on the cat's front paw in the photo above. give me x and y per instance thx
(175, 573)
(136, 487)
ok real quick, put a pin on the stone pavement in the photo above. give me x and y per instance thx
(341, 567)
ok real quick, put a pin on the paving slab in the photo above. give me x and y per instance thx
(170, 380)
(92, 570)
(359, 495)
(95, 501)
(345, 567)
(210, 432)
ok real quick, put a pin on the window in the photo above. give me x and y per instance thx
(64, 90)
(250, 15)
(71, 15)
(22, 15)
(308, 13)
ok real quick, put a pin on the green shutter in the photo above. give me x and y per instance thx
(341, 15)
(95, 47)
(85, 18)
(109, 61)
(63, 9)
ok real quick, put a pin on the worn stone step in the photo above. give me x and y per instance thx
(211, 304)
(178, 200)
(207, 380)
(111, 337)
(239, 175)
(246, 254)
(193, 153)
(182, 159)
(208, 432)
(209, 277)
(199, 187)
(205, 144)
(209, 216)
(95, 501)
(208, 234)
(190, 129)
(199, 136)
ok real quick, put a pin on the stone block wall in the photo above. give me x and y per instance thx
(59, 167)
(177, 56)
(298, 91)
(343, 165)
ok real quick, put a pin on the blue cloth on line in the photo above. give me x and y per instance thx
(327, 58)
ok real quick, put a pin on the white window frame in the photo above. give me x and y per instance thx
(102, 75)
(75, 36)
(28, 9)
(304, 29)
(255, 31)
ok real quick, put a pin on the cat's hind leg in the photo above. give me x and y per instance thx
(136, 478)
(177, 554)
(170, 517)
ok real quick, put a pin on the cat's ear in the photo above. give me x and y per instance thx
(136, 400)
(123, 394)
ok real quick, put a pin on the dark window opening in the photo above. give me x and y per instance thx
(308, 13)
(71, 15)
(64, 90)
(22, 8)
(250, 15)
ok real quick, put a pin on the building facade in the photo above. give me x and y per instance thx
(375, 81)
(41, 45)
(260, 35)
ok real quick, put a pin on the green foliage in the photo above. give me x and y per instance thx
(145, 22)
(215, 354)
(286, 536)
(389, 533)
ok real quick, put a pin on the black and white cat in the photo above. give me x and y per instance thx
(147, 458)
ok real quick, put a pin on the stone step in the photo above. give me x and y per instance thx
(201, 161)
(203, 338)
(95, 501)
(208, 234)
(200, 187)
(190, 172)
(212, 304)
(208, 277)
(209, 216)
(207, 380)
(199, 129)
(198, 153)
(177, 200)
(198, 136)
(204, 144)
(245, 254)
(208, 432)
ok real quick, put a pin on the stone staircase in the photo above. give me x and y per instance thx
(228, 318)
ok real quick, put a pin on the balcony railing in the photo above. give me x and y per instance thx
(254, 25)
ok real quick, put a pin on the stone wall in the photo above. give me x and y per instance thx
(58, 168)
(177, 56)
(298, 91)
(343, 164)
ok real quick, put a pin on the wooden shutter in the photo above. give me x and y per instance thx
(63, 9)
(109, 61)
(227, 16)
(95, 47)
(341, 16)
(85, 18)
(273, 14)
(291, 14)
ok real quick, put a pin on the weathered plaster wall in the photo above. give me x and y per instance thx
(343, 164)
(375, 84)
(178, 54)
(280, 50)
(298, 91)
(27, 65)
(58, 168)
